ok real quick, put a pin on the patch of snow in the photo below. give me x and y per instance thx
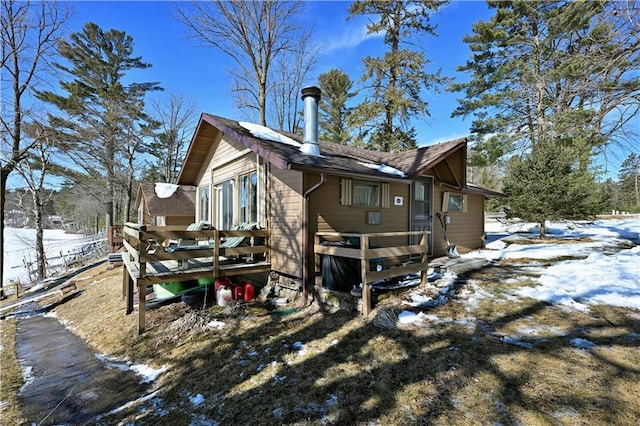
(383, 168)
(197, 400)
(549, 251)
(148, 374)
(27, 376)
(114, 363)
(268, 134)
(536, 330)
(278, 412)
(215, 324)
(598, 279)
(165, 190)
(582, 343)
(445, 285)
(333, 400)
(496, 245)
(516, 341)
(150, 397)
(422, 319)
(277, 379)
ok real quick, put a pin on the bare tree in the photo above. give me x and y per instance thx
(177, 118)
(253, 34)
(27, 37)
(34, 171)
(290, 73)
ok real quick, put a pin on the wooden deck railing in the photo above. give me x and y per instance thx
(148, 262)
(365, 253)
(144, 244)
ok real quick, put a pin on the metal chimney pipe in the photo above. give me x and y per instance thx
(311, 97)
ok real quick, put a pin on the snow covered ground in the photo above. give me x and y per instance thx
(604, 268)
(19, 246)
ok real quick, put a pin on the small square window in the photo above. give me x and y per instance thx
(366, 194)
(453, 202)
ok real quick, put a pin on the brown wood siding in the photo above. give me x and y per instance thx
(179, 220)
(223, 169)
(284, 215)
(326, 214)
(466, 230)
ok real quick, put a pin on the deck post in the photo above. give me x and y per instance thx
(129, 291)
(142, 267)
(424, 258)
(364, 270)
(216, 253)
(125, 274)
(142, 307)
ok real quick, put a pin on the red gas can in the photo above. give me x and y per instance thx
(248, 292)
(238, 292)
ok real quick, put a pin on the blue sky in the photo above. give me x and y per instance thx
(183, 65)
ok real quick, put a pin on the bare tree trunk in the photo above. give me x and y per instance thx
(41, 258)
(635, 183)
(3, 191)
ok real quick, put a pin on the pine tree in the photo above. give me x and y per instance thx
(545, 70)
(336, 91)
(395, 82)
(628, 178)
(548, 183)
(100, 116)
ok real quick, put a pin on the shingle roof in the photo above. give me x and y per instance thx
(336, 158)
(180, 203)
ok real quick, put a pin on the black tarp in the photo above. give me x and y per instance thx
(340, 273)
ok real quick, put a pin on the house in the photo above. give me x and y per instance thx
(165, 204)
(300, 188)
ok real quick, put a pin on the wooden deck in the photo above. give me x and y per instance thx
(147, 262)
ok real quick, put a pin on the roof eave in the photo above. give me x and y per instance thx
(269, 156)
(347, 174)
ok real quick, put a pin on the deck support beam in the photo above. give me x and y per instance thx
(142, 308)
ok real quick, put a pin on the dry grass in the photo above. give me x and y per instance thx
(10, 376)
(498, 360)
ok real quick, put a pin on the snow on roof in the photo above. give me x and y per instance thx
(266, 133)
(383, 168)
(165, 190)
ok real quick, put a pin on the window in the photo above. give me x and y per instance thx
(224, 201)
(366, 194)
(422, 200)
(454, 202)
(249, 198)
(204, 204)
